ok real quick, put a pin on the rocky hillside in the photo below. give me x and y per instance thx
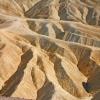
(50, 49)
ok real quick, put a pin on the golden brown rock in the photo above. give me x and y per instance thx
(50, 49)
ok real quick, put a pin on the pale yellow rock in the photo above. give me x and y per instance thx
(50, 49)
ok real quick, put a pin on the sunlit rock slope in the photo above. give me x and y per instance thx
(50, 49)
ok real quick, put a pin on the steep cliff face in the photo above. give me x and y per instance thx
(50, 49)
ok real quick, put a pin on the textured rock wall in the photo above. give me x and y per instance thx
(50, 49)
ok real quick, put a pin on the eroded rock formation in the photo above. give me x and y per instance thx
(50, 49)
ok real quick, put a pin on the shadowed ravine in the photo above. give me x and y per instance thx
(11, 84)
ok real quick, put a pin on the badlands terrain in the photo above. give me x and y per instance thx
(49, 49)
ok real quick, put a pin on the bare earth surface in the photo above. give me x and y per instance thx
(49, 49)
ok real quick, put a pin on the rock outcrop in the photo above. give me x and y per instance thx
(49, 49)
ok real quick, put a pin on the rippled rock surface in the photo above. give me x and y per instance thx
(49, 49)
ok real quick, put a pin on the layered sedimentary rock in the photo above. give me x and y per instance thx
(50, 49)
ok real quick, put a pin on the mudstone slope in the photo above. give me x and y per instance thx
(50, 49)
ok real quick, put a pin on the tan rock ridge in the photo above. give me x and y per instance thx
(49, 50)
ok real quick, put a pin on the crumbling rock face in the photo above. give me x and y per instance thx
(49, 50)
